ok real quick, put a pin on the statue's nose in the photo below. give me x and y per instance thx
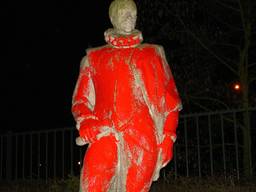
(130, 17)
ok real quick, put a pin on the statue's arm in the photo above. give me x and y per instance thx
(83, 103)
(172, 108)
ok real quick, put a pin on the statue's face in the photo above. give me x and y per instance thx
(124, 20)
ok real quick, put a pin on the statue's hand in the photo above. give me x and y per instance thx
(80, 141)
(167, 149)
(91, 128)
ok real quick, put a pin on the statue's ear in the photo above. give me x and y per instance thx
(113, 22)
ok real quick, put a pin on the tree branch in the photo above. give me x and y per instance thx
(223, 22)
(251, 65)
(211, 99)
(227, 6)
(228, 45)
(201, 106)
(242, 14)
(207, 48)
(252, 80)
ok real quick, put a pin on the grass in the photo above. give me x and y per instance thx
(181, 184)
(186, 184)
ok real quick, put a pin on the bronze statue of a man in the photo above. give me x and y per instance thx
(126, 106)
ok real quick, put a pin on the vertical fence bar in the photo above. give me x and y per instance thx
(63, 157)
(210, 143)
(31, 157)
(16, 157)
(186, 146)
(6, 159)
(23, 156)
(54, 154)
(46, 157)
(9, 162)
(80, 156)
(71, 152)
(223, 144)
(236, 146)
(198, 147)
(38, 155)
(1, 157)
(175, 162)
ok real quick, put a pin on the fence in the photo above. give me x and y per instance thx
(208, 144)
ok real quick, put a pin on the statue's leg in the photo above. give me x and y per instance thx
(141, 171)
(99, 165)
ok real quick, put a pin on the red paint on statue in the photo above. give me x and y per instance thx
(126, 105)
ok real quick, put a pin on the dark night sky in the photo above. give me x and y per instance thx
(46, 42)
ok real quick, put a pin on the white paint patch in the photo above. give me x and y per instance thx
(140, 154)
(90, 94)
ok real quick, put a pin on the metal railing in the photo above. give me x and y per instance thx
(211, 144)
(40, 155)
(208, 144)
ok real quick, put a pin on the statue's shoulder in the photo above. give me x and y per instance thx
(154, 47)
(97, 49)
(88, 52)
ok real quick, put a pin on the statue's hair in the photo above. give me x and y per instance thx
(120, 4)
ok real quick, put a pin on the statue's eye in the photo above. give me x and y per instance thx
(134, 15)
(123, 13)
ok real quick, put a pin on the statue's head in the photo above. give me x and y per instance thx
(123, 15)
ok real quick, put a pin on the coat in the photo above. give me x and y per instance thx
(126, 89)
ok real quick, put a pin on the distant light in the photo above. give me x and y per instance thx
(79, 163)
(237, 86)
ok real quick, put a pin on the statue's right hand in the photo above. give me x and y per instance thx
(167, 149)
(91, 128)
(80, 141)
(88, 133)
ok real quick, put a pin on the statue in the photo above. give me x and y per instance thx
(126, 106)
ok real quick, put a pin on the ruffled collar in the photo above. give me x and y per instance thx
(123, 41)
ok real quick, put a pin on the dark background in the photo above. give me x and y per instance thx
(46, 42)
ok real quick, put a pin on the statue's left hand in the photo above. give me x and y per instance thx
(167, 149)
